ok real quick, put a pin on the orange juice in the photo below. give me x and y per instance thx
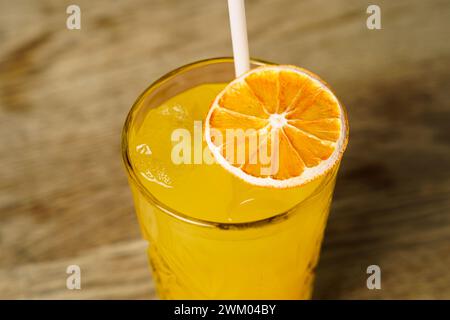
(211, 234)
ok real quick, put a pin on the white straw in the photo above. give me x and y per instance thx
(238, 25)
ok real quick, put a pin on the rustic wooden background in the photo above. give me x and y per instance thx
(64, 95)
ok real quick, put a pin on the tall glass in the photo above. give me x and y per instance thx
(273, 258)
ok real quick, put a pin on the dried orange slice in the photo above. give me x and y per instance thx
(277, 126)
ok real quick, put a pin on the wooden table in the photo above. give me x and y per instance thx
(64, 95)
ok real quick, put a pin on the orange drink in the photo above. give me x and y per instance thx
(218, 229)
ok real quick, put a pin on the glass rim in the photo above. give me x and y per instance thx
(167, 209)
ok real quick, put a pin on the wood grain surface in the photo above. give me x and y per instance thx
(64, 95)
